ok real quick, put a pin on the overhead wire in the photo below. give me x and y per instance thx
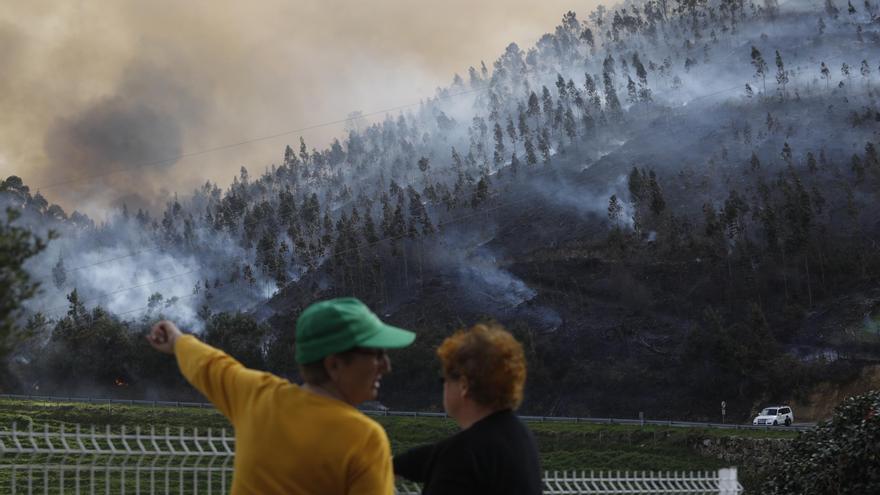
(158, 247)
(227, 146)
(312, 260)
(232, 145)
(315, 258)
(262, 138)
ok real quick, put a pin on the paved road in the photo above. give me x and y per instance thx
(386, 412)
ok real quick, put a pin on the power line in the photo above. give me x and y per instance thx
(140, 251)
(306, 261)
(110, 260)
(135, 253)
(108, 295)
(487, 86)
(175, 158)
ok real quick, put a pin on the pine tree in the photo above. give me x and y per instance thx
(248, 274)
(76, 309)
(398, 222)
(286, 207)
(637, 185)
(481, 192)
(327, 236)
(370, 230)
(658, 203)
(733, 215)
(523, 126)
(59, 273)
(570, 125)
(303, 151)
(16, 286)
(587, 36)
(632, 95)
(311, 211)
(593, 94)
(642, 74)
(511, 132)
(754, 163)
(845, 70)
(281, 264)
(612, 103)
(457, 163)
(498, 157)
(786, 153)
(560, 87)
(266, 252)
(760, 66)
(544, 144)
(531, 157)
(534, 109)
(547, 104)
(826, 74)
(781, 74)
(290, 159)
(387, 217)
(615, 209)
(608, 65)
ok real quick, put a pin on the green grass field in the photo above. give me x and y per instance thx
(563, 446)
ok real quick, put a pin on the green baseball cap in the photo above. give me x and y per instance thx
(337, 325)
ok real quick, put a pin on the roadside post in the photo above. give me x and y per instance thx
(723, 411)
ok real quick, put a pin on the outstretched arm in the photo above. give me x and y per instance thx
(220, 378)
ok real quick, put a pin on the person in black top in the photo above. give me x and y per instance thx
(484, 369)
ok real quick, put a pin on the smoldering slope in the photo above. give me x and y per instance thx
(716, 81)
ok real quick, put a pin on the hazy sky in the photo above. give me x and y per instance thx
(87, 87)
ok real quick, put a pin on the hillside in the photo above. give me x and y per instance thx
(671, 205)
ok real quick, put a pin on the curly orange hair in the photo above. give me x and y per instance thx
(491, 360)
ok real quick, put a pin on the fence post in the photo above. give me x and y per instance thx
(727, 481)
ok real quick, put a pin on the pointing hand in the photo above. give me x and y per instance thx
(163, 336)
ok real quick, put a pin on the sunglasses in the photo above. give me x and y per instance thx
(377, 354)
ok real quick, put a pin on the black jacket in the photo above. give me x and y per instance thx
(496, 455)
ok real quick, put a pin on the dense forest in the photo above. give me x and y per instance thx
(671, 203)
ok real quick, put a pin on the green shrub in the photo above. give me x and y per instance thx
(841, 456)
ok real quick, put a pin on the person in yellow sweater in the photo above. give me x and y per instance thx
(307, 439)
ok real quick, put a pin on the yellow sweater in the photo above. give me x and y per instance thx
(288, 440)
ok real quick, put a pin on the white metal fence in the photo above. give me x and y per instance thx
(50, 460)
(721, 482)
(76, 460)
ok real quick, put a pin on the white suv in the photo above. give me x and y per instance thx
(773, 416)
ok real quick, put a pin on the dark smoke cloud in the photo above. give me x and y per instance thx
(112, 134)
(138, 129)
(171, 77)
